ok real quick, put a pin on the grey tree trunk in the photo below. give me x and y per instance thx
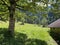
(12, 17)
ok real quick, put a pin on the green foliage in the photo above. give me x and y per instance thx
(56, 9)
(23, 5)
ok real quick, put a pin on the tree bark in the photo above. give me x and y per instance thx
(12, 17)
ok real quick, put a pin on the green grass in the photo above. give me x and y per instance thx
(33, 34)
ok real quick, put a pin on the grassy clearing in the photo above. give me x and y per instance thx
(34, 34)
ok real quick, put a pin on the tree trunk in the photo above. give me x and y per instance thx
(12, 17)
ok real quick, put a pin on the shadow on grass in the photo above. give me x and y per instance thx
(19, 39)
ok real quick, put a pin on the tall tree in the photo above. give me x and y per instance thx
(12, 5)
(12, 16)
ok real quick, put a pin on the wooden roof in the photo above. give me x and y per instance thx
(55, 24)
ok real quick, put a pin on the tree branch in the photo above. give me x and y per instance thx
(16, 0)
(4, 3)
(21, 8)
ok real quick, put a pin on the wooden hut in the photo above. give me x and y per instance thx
(55, 26)
(55, 30)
